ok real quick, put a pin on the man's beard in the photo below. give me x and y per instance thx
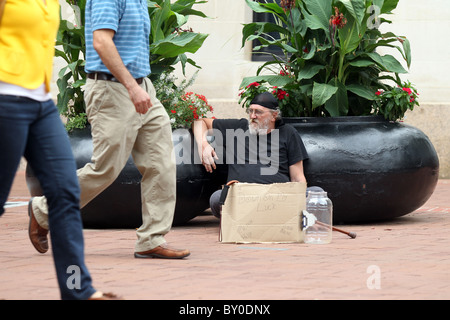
(259, 127)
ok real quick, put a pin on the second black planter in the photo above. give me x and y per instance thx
(371, 168)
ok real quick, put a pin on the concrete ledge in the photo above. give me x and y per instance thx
(432, 119)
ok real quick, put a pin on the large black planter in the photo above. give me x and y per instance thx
(119, 206)
(371, 168)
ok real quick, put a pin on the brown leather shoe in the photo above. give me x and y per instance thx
(37, 234)
(163, 252)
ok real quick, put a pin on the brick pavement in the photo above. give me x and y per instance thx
(406, 258)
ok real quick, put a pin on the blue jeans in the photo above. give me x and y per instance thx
(33, 129)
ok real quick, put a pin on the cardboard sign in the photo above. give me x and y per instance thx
(258, 213)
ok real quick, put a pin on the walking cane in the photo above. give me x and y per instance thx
(350, 234)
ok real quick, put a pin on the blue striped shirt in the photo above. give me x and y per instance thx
(131, 23)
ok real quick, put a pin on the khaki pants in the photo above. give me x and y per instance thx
(118, 131)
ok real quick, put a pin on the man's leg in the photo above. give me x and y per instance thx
(114, 124)
(154, 157)
(216, 208)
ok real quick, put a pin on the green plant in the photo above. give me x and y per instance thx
(183, 107)
(72, 77)
(330, 65)
(169, 42)
(393, 104)
(250, 91)
(169, 45)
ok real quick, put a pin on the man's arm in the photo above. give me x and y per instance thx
(296, 172)
(106, 49)
(205, 150)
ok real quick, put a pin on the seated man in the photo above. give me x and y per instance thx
(261, 149)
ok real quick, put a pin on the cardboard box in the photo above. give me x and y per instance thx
(259, 213)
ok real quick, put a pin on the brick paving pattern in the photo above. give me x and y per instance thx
(406, 258)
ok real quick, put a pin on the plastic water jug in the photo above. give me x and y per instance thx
(318, 218)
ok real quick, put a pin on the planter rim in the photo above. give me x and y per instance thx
(343, 119)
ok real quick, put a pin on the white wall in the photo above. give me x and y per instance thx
(426, 24)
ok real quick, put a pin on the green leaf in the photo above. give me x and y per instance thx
(361, 63)
(264, 7)
(356, 8)
(274, 80)
(337, 105)
(309, 71)
(350, 36)
(160, 15)
(299, 24)
(389, 5)
(362, 91)
(249, 30)
(176, 44)
(387, 62)
(322, 93)
(407, 50)
(79, 83)
(260, 31)
(319, 14)
(386, 41)
(62, 54)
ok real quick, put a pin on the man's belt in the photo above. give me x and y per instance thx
(108, 77)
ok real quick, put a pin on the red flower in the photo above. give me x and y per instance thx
(253, 84)
(408, 90)
(280, 93)
(173, 111)
(338, 20)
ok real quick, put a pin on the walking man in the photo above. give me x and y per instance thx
(126, 118)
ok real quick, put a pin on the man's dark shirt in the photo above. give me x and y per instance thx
(257, 158)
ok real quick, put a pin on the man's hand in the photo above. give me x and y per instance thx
(140, 99)
(207, 153)
(208, 157)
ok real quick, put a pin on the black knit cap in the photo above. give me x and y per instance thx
(265, 99)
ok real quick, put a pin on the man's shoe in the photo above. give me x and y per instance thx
(163, 252)
(37, 234)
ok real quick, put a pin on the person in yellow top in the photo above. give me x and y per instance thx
(30, 126)
(27, 60)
